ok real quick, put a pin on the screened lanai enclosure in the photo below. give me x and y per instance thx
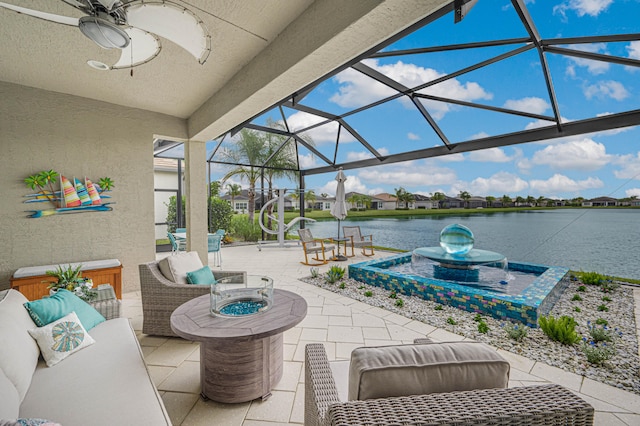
(447, 78)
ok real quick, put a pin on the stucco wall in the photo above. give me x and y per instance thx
(42, 130)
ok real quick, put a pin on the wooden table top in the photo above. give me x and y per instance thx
(193, 320)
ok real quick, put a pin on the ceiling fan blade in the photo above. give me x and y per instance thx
(143, 47)
(59, 19)
(108, 4)
(173, 22)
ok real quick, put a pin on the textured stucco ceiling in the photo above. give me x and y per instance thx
(262, 51)
(53, 57)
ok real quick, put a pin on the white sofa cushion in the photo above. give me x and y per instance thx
(104, 384)
(18, 351)
(175, 267)
(9, 398)
(402, 370)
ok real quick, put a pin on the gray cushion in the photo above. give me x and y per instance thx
(175, 267)
(106, 383)
(386, 371)
(18, 351)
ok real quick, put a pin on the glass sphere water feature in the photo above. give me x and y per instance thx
(456, 239)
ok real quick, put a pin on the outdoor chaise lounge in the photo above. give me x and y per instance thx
(357, 240)
(161, 295)
(450, 386)
(314, 246)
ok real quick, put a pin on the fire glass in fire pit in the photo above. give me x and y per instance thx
(231, 296)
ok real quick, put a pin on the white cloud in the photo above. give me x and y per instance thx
(582, 7)
(357, 90)
(594, 67)
(584, 154)
(531, 104)
(490, 155)
(558, 184)
(365, 155)
(633, 191)
(322, 134)
(609, 88)
(501, 182)
(413, 137)
(629, 167)
(307, 161)
(352, 184)
(634, 49)
(410, 174)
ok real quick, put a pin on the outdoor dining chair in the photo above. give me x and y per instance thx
(314, 246)
(213, 246)
(181, 229)
(365, 242)
(176, 246)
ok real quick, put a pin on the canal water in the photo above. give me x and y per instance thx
(601, 240)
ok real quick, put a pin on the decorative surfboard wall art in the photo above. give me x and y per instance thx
(74, 195)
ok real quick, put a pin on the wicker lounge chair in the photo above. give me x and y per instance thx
(528, 405)
(160, 297)
(358, 240)
(314, 246)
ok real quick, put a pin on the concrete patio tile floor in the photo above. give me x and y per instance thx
(341, 324)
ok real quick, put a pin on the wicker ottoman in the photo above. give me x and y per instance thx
(107, 303)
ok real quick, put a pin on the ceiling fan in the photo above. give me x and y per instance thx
(133, 27)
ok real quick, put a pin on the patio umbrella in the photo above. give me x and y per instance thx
(339, 208)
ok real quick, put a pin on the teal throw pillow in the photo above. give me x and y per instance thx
(62, 303)
(201, 276)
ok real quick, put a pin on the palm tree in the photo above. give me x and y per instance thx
(519, 201)
(247, 151)
(490, 200)
(310, 197)
(438, 196)
(540, 200)
(531, 200)
(324, 195)
(400, 195)
(233, 190)
(465, 196)
(506, 200)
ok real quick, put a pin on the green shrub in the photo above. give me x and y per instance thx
(451, 321)
(483, 327)
(334, 274)
(600, 334)
(577, 309)
(602, 321)
(438, 307)
(603, 308)
(220, 214)
(561, 329)
(577, 298)
(242, 229)
(597, 354)
(581, 288)
(399, 303)
(368, 293)
(315, 272)
(342, 286)
(393, 295)
(361, 287)
(592, 278)
(606, 299)
(477, 318)
(608, 286)
(516, 332)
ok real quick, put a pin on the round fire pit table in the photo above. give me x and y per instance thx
(240, 357)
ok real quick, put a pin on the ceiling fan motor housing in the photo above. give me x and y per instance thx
(103, 30)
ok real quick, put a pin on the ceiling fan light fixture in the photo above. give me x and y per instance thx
(101, 66)
(104, 33)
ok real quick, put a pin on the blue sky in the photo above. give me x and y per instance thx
(601, 164)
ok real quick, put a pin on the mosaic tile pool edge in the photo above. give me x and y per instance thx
(536, 300)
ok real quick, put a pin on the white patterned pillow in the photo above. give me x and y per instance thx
(61, 338)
